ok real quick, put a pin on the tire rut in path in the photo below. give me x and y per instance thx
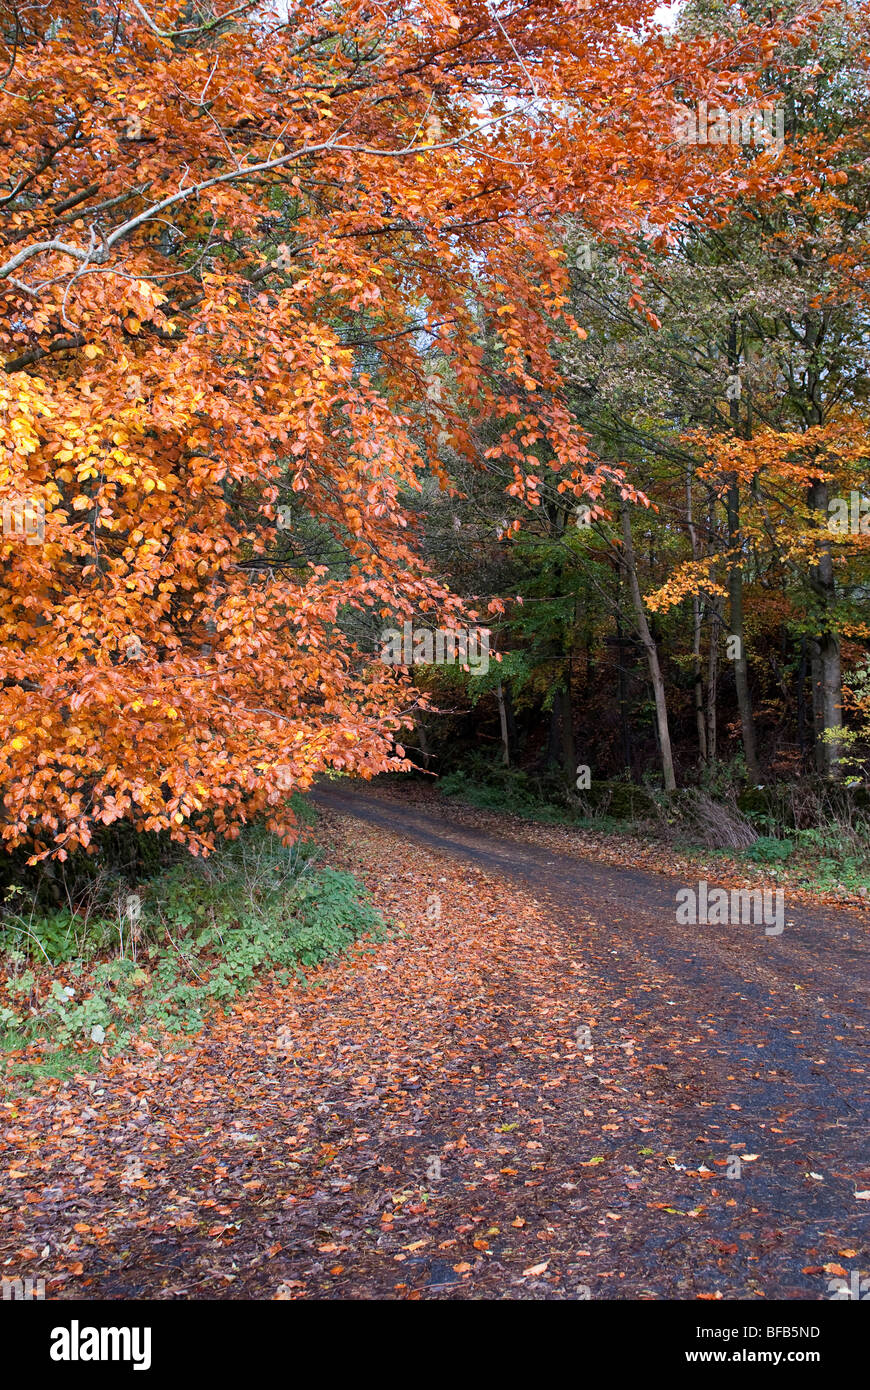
(747, 1044)
(565, 1171)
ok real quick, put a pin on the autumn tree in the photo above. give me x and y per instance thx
(236, 244)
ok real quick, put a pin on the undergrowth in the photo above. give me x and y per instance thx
(503, 789)
(817, 838)
(159, 956)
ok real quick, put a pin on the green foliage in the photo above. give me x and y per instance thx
(836, 857)
(620, 801)
(52, 936)
(496, 788)
(768, 850)
(830, 857)
(208, 930)
(544, 797)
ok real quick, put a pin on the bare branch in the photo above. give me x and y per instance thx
(36, 353)
(232, 176)
(38, 247)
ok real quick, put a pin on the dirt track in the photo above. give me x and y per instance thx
(747, 1043)
(425, 1120)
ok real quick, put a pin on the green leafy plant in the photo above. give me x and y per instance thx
(768, 850)
(208, 930)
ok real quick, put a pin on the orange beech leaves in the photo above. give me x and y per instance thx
(237, 251)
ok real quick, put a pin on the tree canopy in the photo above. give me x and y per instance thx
(278, 283)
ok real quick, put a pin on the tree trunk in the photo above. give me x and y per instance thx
(513, 732)
(828, 692)
(651, 650)
(714, 611)
(802, 702)
(622, 682)
(818, 707)
(503, 724)
(553, 744)
(713, 678)
(569, 757)
(735, 618)
(422, 740)
(830, 703)
(560, 748)
(697, 679)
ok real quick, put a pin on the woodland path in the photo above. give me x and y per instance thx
(422, 1122)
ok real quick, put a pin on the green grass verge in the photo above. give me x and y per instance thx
(162, 957)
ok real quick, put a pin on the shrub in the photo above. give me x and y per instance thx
(208, 929)
(768, 850)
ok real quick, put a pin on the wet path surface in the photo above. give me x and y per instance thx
(749, 1044)
(539, 1087)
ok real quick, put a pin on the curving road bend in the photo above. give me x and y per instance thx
(717, 1043)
